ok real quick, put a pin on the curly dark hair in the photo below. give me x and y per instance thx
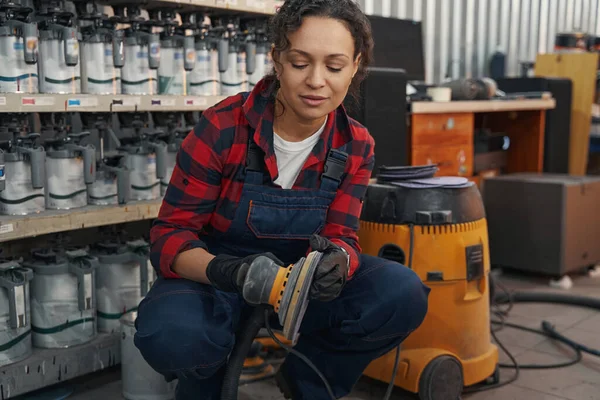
(289, 18)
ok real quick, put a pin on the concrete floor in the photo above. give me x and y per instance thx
(577, 382)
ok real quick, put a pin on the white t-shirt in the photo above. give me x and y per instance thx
(291, 156)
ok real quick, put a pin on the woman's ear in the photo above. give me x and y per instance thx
(275, 55)
(356, 64)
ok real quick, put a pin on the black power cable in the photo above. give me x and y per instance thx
(548, 330)
(509, 299)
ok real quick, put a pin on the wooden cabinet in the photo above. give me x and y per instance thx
(443, 139)
(451, 160)
(442, 129)
(443, 134)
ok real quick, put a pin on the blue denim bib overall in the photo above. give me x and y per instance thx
(276, 220)
(186, 330)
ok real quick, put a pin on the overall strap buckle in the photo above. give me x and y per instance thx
(254, 158)
(335, 165)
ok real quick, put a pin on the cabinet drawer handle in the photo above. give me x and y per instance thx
(449, 124)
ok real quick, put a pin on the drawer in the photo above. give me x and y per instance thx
(451, 160)
(442, 129)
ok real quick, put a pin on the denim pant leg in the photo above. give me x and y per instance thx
(185, 331)
(379, 307)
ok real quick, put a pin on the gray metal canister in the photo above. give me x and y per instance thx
(123, 278)
(112, 185)
(15, 321)
(140, 381)
(70, 168)
(26, 171)
(146, 160)
(63, 297)
(142, 60)
(59, 59)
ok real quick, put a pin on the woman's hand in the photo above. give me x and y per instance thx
(332, 271)
(228, 273)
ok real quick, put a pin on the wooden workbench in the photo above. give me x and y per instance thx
(443, 133)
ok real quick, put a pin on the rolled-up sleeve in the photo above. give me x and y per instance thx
(191, 196)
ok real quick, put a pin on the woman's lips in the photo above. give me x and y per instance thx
(313, 101)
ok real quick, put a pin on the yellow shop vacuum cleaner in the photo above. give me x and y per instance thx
(439, 230)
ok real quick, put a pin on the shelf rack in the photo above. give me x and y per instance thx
(51, 221)
(46, 367)
(264, 7)
(25, 103)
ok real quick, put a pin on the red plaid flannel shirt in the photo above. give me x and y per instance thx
(206, 185)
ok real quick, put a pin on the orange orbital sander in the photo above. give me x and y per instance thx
(271, 288)
(285, 289)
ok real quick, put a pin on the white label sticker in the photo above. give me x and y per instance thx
(195, 101)
(163, 102)
(20, 305)
(82, 102)
(129, 101)
(87, 290)
(6, 228)
(72, 48)
(38, 101)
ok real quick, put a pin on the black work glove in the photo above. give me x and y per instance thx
(227, 273)
(332, 271)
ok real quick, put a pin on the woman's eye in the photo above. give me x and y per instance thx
(299, 66)
(335, 69)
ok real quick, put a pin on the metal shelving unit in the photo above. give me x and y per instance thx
(47, 367)
(264, 7)
(50, 221)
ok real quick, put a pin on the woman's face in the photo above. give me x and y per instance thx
(316, 70)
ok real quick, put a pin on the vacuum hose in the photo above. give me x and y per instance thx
(243, 343)
(557, 298)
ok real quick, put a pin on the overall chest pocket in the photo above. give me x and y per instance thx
(285, 221)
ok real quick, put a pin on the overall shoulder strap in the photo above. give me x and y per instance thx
(254, 157)
(334, 169)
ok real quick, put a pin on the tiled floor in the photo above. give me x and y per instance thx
(577, 382)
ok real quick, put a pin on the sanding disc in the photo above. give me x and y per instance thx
(286, 297)
(299, 296)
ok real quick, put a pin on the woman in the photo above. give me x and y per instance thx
(220, 214)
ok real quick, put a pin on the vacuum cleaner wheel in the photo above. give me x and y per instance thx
(442, 379)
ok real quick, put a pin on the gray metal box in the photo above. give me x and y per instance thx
(543, 223)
